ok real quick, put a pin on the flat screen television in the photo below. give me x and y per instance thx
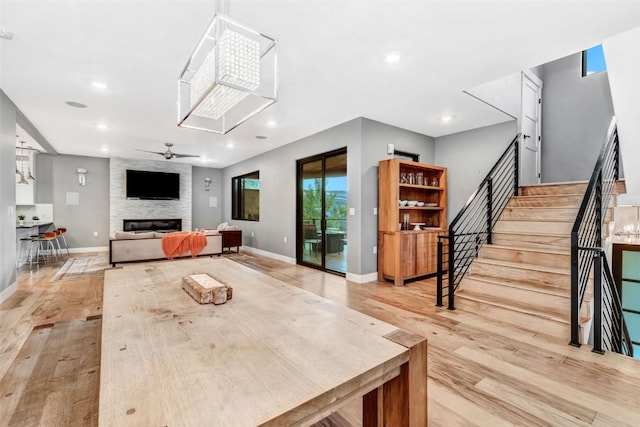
(148, 185)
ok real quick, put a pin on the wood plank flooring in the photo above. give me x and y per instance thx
(483, 370)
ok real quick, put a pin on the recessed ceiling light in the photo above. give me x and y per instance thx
(102, 126)
(446, 118)
(261, 137)
(272, 123)
(104, 149)
(230, 145)
(99, 85)
(392, 57)
(76, 104)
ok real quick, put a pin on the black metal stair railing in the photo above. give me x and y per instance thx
(473, 226)
(610, 330)
(586, 239)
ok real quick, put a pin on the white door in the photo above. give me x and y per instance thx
(530, 126)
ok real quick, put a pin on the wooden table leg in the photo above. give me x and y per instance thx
(401, 401)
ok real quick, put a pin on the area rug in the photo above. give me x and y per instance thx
(77, 268)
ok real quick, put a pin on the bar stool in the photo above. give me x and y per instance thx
(46, 244)
(63, 231)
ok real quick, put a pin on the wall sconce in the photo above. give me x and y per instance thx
(82, 176)
(207, 183)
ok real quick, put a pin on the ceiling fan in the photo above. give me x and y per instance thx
(170, 154)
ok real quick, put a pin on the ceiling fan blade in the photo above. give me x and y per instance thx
(152, 152)
(176, 155)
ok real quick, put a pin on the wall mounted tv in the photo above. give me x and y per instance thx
(148, 185)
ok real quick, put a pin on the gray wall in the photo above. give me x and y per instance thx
(366, 143)
(576, 112)
(278, 189)
(56, 176)
(7, 192)
(468, 157)
(203, 215)
(375, 137)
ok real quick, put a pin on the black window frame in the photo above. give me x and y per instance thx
(237, 197)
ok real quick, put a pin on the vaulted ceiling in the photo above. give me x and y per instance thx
(332, 65)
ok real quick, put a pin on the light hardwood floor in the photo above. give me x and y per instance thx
(483, 370)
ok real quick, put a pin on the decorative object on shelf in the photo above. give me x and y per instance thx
(207, 183)
(420, 204)
(411, 178)
(434, 182)
(416, 225)
(35, 218)
(82, 176)
(21, 218)
(412, 203)
(420, 178)
(403, 178)
(231, 76)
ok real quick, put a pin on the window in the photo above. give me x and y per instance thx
(593, 61)
(245, 197)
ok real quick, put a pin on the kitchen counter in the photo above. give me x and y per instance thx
(31, 224)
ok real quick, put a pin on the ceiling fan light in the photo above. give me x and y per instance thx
(230, 77)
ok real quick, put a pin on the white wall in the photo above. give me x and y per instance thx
(504, 94)
(623, 64)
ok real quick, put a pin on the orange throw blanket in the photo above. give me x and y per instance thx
(180, 242)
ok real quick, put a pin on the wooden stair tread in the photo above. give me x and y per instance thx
(531, 309)
(544, 288)
(524, 266)
(548, 195)
(533, 233)
(523, 248)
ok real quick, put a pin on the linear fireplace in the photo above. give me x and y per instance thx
(152, 224)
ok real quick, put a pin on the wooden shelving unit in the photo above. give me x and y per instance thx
(405, 253)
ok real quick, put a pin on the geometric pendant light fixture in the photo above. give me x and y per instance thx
(231, 76)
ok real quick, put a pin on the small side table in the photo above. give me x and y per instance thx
(231, 239)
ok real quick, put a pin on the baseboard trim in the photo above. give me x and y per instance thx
(91, 249)
(4, 295)
(362, 278)
(268, 254)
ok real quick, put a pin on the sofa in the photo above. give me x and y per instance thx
(147, 246)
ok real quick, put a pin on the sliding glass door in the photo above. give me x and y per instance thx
(322, 211)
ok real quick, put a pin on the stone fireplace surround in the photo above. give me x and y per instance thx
(161, 225)
(121, 208)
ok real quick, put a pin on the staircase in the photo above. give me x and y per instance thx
(524, 275)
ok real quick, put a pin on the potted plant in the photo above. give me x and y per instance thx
(21, 218)
(35, 218)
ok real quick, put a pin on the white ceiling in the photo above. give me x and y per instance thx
(332, 66)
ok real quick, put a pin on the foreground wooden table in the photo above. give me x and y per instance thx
(273, 355)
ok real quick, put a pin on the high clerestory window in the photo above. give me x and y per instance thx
(245, 199)
(593, 61)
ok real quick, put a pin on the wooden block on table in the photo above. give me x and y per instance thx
(206, 289)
